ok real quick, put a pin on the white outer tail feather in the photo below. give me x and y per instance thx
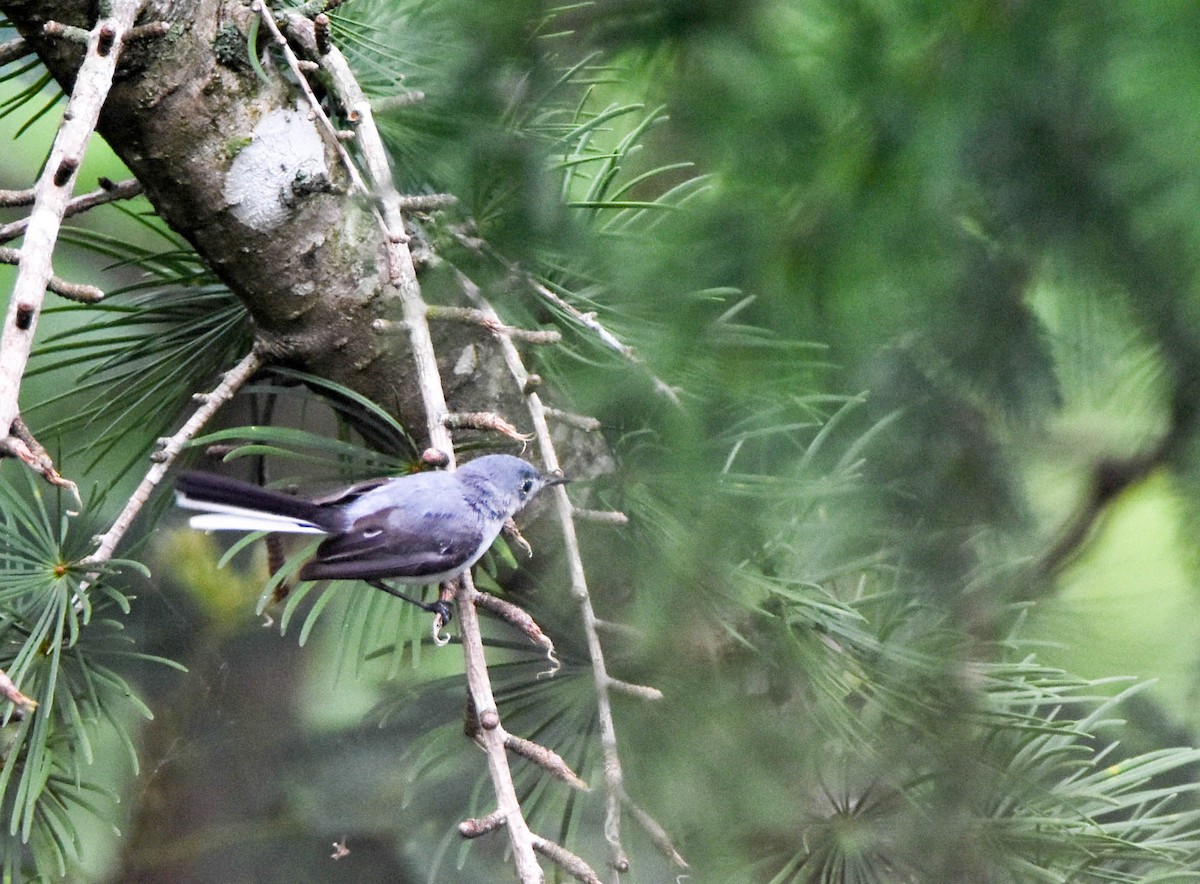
(223, 517)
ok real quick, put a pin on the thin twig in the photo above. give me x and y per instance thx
(52, 194)
(612, 627)
(14, 49)
(613, 774)
(11, 198)
(566, 860)
(122, 190)
(483, 420)
(403, 99)
(231, 382)
(579, 421)
(22, 445)
(268, 19)
(60, 31)
(518, 618)
(403, 276)
(149, 31)
(656, 833)
(426, 202)
(1110, 477)
(587, 320)
(604, 517)
(641, 691)
(315, 7)
(477, 826)
(547, 759)
(72, 291)
(10, 692)
(478, 317)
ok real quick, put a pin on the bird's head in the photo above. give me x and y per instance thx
(511, 481)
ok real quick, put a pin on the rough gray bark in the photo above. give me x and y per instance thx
(310, 267)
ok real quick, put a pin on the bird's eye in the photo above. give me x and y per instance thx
(526, 486)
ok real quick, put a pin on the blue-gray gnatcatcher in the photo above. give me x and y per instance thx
(418, 529)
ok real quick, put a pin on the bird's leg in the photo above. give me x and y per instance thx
(441, 608)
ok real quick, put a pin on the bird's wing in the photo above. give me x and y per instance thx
(344, 494)
(378, 545)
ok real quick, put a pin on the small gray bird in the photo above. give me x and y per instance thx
(418, 529)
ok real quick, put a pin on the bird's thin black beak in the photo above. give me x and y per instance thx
(557, 480)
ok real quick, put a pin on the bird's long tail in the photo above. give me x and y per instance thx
(231, 505)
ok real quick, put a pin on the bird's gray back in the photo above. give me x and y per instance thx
(411, 497)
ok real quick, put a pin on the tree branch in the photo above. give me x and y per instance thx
(169, 450)
(22, 445)
(588, 321)
(614, 785)
(10, 692)
(52, 195)
(403, 276)
(72, 291)
(107, 192)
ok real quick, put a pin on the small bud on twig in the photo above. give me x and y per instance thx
(72, 291)
(390, 326)
(567, 861)
(604, 517)
(8, 690)
(473, 828)
(321, 32)
(66, 169)
(641, 691)
(483, 420)
(547, 759)
(435, 457)
(149, 31)
(581, 421)
(513, 533)
(426, 202)
(14, 49)
(22, 445)
(16, 197)
(407, 98)
(657, 834)
(105, 39)
(66, 32)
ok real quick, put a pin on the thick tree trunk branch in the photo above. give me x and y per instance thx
(248, 179)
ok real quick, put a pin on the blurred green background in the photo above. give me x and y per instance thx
(928, 268)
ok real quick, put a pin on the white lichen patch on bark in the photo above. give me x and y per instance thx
(285, 159)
